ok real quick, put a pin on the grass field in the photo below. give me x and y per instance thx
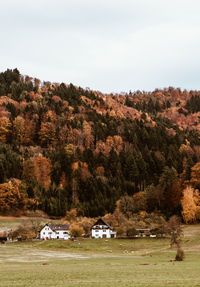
(141, 262)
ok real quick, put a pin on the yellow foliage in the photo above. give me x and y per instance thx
(4, 129)
(189, 204)
(69, 150)
(112, 113)
(18, 126)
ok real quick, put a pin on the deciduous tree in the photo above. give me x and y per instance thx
(11, 197)
(4, 129)
(190, 204)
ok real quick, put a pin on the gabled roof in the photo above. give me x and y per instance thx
(101, 221)
(57, 227)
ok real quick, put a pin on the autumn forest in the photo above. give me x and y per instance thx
(63, 147)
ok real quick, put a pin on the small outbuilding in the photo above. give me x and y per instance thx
(55, 231)
(101, 229)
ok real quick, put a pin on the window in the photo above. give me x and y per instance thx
(50, 233)
(104, 230)
(96, 230)
(65, 232)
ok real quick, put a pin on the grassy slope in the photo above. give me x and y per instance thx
(141, 262)
(11, 222)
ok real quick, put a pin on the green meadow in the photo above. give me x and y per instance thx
(99, 262)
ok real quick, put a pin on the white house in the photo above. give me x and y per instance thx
(101, 229)
(55, 231)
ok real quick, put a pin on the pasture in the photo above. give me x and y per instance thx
(99, 262)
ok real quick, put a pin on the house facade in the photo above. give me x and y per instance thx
(55, 231)
(101, 229)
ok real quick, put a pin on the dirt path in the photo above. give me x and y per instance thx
(19, 254)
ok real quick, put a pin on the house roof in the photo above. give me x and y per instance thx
(57, 227)
(101, 221)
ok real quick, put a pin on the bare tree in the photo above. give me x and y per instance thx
(175, 231)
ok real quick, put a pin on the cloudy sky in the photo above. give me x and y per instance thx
(107, 45)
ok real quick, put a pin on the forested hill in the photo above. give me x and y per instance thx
(62, 146)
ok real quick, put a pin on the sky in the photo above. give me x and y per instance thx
(108, 45)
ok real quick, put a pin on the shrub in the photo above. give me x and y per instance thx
(120, 231)
(23, 232)
(76, 230)
(159, 231)
(86, 224)
(131, 231)
(180, 254)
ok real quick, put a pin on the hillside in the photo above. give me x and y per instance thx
(62, 147)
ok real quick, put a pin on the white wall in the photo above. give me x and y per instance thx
(48, 233)
(102, 231)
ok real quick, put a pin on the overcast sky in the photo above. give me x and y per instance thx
(107, 45)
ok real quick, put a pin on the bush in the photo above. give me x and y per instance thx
(23, 232)
(131, 231)
(76, 230)
(121, 231)
(180, 254)
(86, 224)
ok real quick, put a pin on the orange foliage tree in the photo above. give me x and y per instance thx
(140, 201)
(39, 169)
(29, 131)
(12, 198)
(42, 171)
(47, 133)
